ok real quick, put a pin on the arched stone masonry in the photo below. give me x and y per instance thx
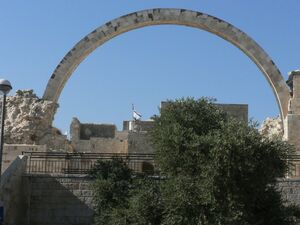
(168, 16)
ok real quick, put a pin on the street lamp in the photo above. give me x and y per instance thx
(5, 88)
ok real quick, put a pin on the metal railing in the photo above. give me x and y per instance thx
(82, 163)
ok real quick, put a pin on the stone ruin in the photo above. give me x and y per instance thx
(133, 138)
(26, 124)
(272, 128)
(105, 138)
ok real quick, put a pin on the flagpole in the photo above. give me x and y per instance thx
(132, 112)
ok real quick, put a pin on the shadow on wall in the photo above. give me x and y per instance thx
(14, 193)
(60, 200)
(44, 199)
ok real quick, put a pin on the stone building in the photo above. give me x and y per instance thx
(133, 138)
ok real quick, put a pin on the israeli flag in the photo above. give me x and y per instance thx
(135, 114)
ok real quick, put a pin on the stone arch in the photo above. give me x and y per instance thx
(168, 16)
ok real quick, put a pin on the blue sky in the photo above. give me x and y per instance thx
(147, 65)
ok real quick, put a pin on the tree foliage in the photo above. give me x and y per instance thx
(221, 171)
(218, 171)
(111, 188)
(146, 206)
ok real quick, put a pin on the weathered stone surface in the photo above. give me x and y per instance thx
(272, 128)
(27, 121)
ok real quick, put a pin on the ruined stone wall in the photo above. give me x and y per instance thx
(109, 140)
(87, 131)
(272, 128)
(27, 122)
(97, 138)
(134, 138)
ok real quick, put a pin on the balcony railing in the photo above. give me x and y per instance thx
(82, 163)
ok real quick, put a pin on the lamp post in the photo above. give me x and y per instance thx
(5, 88)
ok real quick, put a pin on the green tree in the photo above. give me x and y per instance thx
(220, 171)
(216, 171)
(123, 198)
(146, 206)
(111, 191)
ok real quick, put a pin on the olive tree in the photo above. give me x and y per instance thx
(215, 170)
(220, 170)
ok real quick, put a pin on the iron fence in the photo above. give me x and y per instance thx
(82, 163)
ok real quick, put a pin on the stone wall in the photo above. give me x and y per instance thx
(104, 138)
(237, 111)
(27, 122)
(61, 200)
(119, 144)
(68, 200)
(86, 131)
(97, 130)
(292, 120)
(12, 151)
(290, 188)
(97, 138)
(14, 192)
(139, 142)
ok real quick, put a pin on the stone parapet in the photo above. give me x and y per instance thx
(12, 151)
